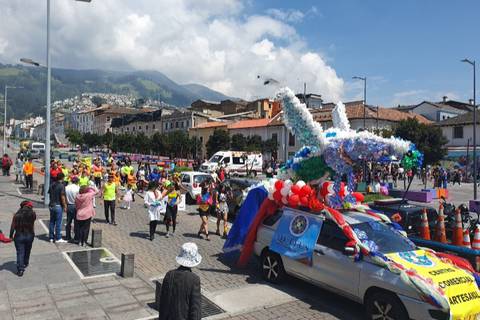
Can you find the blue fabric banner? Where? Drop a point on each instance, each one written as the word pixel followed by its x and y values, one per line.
pixel 296 235
pixel 246 214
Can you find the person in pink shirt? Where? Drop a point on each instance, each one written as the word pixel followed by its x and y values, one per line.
pixel 85 212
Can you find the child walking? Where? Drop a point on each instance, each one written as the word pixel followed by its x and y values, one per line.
pixel 127 198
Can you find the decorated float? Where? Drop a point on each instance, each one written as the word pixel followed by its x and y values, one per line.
pixel 320 180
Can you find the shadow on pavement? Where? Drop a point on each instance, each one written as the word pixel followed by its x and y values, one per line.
pixel 139 234
pixel 43 237
pixel 9 266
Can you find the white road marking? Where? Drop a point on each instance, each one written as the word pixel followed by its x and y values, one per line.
pixel 19 192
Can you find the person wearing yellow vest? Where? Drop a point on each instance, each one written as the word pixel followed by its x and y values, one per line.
pixel 28 169
pixel 97 173
pixel 84 179
pixel 109 192
pixel 66 173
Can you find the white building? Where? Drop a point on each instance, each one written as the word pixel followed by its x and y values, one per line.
pixel 438 111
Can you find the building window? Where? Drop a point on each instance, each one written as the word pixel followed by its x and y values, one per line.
pixel 133 128
pixel 146 127
pixel 108 118
pixel 176 124
pixel 291 140
pixel 139 127
pixel 128 129
pixel 275 137
pixel 181 124
pixel 153 126
pixel 457 132
pixel 201 139
pixel 188 123
pixel 171 125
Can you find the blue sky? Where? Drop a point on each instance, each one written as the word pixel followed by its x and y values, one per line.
pixel 409 50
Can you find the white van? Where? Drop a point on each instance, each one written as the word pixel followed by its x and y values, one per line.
pixel 236 163
pixel 38 146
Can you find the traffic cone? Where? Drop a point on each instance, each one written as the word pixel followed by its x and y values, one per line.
pixel 476 246
pixel 440 234
pixel 424 227
pixel 457 236
pixel 466 239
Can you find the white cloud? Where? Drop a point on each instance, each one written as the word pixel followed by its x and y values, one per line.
pixel 415 96
pixel 211 42
pixel 290 15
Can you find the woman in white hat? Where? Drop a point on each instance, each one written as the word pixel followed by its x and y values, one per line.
pixel 180 298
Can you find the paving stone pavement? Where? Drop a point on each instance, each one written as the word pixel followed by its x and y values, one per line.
pixel 51 289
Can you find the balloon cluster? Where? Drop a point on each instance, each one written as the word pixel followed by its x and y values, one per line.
pixel 412 159
pixel 294 195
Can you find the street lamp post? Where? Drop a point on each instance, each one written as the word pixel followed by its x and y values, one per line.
pixel 5 117
pixel 364 79
pixel 472 63
pixel 46 183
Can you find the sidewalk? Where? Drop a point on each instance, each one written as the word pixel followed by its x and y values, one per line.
pixel 51 288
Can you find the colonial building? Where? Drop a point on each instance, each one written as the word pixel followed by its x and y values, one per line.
pixel 225 106
pixel 147 123
pixel 438 111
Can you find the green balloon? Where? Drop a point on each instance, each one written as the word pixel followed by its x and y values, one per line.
pixel 312 169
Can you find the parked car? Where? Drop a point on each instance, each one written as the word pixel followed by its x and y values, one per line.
pixel 411 214
pixel 383 293
pixel 239 189
pixel 191 180
pixel 34 154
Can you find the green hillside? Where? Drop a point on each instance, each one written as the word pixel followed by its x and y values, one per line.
pixel 67 83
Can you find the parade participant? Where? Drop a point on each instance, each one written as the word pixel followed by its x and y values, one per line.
pixel 173 197
pixel 127 198
pixel 84 178
pixel 54 171
pixel 152 200
pixel 117 179
pixel 19 169
pixel 6 164
pixel 154 175
pixel 109 192
pixel 22 232
pixel 180 297
pixel 141 182
pixel 222 209
pixel 28 169
pixel 74 174
pixel 132 183
pixel 125 171
pixel 204 201
pixel 71 191
pixel 85 212
pixel 110 159
pixel 66 174
pixel 57 206
pixel 97 173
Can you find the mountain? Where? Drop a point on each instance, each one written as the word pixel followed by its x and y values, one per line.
pixel 205 92
pixel 67 83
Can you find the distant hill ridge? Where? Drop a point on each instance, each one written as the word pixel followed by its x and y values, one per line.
pixel 67 83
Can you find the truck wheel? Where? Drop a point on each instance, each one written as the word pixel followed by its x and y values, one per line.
pixel 385 305
pixel 272 267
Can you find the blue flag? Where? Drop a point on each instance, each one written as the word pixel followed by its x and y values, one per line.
pixel 296 235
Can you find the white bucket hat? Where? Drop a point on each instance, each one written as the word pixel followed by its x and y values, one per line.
pixel 189 256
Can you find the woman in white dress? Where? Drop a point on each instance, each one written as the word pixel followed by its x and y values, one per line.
pixel 153 199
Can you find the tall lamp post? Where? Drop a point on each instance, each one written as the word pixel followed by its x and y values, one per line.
pixel 364 79
pixel 46 183
pixel 472 63
pixel 5 117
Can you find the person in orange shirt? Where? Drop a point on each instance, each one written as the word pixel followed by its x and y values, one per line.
pixel 28 171
pixel 132 182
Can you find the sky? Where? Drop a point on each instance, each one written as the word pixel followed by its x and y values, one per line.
pixel 409 50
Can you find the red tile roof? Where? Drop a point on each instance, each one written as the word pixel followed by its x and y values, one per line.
pixel 254 123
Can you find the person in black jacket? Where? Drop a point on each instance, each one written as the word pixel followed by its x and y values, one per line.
pixel 22 232
pixel 180 298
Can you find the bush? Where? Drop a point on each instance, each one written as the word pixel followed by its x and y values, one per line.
pixel 182 169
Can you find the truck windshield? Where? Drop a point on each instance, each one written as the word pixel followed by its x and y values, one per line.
pixel 216 158
pixel 380 237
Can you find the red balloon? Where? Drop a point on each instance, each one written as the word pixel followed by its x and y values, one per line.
pixel 279 185
pixel 358 196
pixel 304 201
pixel 305 191
pixel 277 196
pixel 295 189
pixel 293 200
pixel 343 192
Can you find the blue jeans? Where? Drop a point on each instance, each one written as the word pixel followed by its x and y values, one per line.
pixel 23 245
pixel 71 218
pixel 55 227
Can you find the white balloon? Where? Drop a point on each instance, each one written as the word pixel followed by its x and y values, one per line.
pixel 284 200
pixel 301 183
pixel 285 190
pixel 288 183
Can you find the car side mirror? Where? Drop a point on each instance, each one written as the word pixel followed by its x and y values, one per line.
pixel 349 251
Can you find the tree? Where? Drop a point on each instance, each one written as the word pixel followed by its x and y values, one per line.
pixel 158 144
pixel 270 146
pixel 219 140
pixel 239 142
pixel 254 143
pixel 428 139
pixel 75 137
